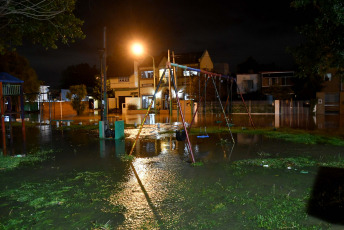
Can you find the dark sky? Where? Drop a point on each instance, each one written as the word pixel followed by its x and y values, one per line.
pixel 230 30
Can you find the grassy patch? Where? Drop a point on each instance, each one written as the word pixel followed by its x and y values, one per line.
pixel 34 157
pixel 79 200
pixel 241 204
pixel 292 162
pixel 293 135
pixel 197 164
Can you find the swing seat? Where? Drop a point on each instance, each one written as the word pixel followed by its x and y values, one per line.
pixel 230 124
pixel 218 122
pixel 203 136
pixel 180 135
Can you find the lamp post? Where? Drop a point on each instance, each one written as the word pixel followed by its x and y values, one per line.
pixel 138 50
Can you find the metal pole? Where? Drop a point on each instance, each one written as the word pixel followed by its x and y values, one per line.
pixel 224 113
pixel 104 70
pixel 101 87
pixel 183 120
pixel 3 121
pixel 176 82
pixel 154 83
pixel 144 119
pixel 169 84
pixel 22 111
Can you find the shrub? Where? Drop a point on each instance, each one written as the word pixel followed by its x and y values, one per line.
pixel 132 107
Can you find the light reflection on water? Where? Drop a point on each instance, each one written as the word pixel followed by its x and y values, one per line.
pixel 289 117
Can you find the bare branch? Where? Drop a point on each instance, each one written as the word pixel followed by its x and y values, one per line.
pixel 41 10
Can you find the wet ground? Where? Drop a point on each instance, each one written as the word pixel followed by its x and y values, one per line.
pixel 87 184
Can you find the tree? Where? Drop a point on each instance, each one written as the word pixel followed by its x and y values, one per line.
pixel 248 66
pixel 321 50
pixel 76 94
pixel 42 22
pixel 97 90
pixel 18 66
pixel 79 74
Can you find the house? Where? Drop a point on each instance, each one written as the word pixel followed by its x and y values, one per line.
pixel 278 83
pixel 248 83
pixel 198 60
pixel 139 81
pixel 124 81
pixel 331 97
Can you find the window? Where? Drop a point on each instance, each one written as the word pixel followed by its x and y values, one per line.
pixel 146 100
pixel 147 74
pixel 328 77
pixel 161 71
pixel 123 79
pixel 274 81
pixel 247 85
pixel 190 73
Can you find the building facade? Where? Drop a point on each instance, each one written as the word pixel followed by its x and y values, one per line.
pixel 147 74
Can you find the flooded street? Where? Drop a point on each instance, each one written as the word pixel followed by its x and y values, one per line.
pixel 88 183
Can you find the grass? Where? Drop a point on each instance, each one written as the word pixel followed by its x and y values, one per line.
pixel 235 203
pixel 291 162
pixel 293 135
pixel 78 200
pixel 32 158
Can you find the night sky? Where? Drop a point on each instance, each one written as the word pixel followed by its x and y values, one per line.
pixel 230 30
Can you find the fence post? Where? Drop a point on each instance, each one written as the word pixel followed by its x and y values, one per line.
pixel 277 107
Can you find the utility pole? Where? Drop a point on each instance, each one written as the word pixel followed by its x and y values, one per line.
pixel 104 86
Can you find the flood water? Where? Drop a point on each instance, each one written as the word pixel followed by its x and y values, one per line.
pixel 159 189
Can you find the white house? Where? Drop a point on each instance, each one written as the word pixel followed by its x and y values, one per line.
pixel 248 83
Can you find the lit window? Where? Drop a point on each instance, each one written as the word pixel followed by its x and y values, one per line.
pixel 328 77
pixel 123 79
pixel 147 74
pixel 189 73
pixel 161 71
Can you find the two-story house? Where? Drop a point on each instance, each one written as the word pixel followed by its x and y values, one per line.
pixel 124 82
pixel 272 83
pixel 139 81
pixel 200 60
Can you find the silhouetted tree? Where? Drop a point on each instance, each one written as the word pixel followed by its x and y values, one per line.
pixel 321 50
pixel 248 66
pixel 19 66
pixel 97 89
pixel 76 94
pixel 43 22
pixel 79 74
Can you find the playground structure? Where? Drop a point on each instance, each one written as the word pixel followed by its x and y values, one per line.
pixel 183 134
pixel 10 88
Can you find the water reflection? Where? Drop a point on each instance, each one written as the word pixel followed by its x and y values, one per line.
pixel 295 116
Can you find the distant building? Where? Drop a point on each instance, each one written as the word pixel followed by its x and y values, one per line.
pixel 43 93
pixel 248 83
pixel 282 79
pixel 331 97
pixel 140 82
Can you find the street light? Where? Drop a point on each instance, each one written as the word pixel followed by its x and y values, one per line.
pixel 138 51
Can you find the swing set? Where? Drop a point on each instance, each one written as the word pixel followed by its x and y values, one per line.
pixel 181 135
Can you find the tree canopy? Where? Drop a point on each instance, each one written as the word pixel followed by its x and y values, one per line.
pixel 322 47
pixel 79 74
pixel 44 22
pixel 76 94
pixel 97 89
pixel 18 66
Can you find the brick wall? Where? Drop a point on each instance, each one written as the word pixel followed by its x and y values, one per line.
pixel 56 107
